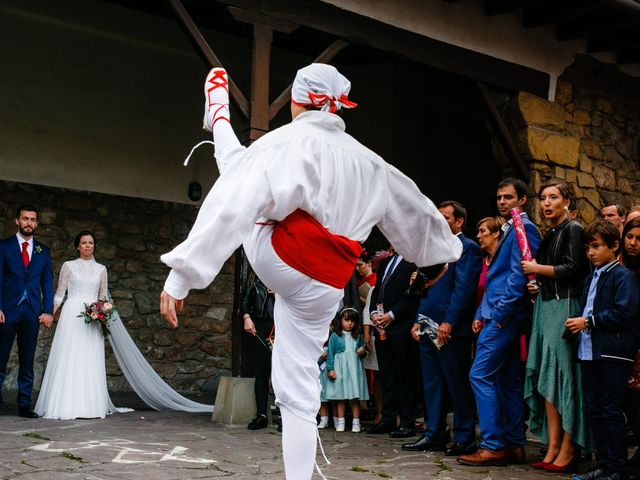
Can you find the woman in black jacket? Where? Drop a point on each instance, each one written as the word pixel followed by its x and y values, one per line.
pixel 257 313
pixel 552 382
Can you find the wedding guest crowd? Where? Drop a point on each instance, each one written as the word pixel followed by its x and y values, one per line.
pixel 539 343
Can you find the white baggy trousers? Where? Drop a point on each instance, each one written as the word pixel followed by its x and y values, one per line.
pixel 303 311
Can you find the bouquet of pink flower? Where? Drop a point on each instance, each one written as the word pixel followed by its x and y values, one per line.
pixel 101 312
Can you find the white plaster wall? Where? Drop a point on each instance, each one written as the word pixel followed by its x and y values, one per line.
pixel 97 97
pixel 463 24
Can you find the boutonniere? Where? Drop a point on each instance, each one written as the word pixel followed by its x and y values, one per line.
pixel 38 249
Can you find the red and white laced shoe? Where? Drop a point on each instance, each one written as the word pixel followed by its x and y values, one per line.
pixel 216 95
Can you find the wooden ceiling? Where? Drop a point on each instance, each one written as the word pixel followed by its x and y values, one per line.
pixel 606 25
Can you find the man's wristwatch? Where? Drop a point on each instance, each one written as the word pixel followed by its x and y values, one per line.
pixel 587 323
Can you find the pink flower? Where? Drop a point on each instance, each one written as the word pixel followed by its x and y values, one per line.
pixel 108 306
pixel 94 315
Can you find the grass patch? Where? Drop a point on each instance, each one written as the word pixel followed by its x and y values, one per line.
pixel 71 456
pixel 442 467
pixel 356 468
pixel 384 475
pixel 35 435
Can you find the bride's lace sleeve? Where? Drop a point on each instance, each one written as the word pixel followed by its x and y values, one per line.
pixel 63 283
pixel 103 292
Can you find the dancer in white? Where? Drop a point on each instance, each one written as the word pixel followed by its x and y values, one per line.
pixel 300 199
pixel 75 381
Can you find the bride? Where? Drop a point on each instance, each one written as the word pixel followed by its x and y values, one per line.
pixel 75 381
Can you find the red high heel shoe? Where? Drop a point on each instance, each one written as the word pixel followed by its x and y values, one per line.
pixel 541 465
pixel 570 467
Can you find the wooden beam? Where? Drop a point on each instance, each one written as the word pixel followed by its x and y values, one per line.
pixel 503 134
pixel 260 59
pixel 192 31
pixel 255 18
pixel 365 31
pixel 325 57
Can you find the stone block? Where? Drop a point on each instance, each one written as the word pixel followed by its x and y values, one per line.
pixel 539 112
pixel 586 211
pixel 559 172
pixel 624 185
pixel 564 92
pixel 548 146
pixel 604 105
pixel 581 117
pixel 586 165
pixel 235 401
pixel 604 177
pixel 593 197
pixel 577 131
pixel 571 175
pixel 592 149
pixel 586 180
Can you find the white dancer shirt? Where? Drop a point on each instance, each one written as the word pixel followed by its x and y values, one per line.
pixel 313 165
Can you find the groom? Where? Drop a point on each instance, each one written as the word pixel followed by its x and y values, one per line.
pixel 26 300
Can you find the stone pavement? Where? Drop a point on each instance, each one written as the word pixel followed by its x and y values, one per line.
pixel 169 445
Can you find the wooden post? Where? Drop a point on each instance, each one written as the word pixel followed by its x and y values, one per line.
pixel 260 60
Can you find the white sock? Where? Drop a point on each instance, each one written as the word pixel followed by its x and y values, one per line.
pixel 299 445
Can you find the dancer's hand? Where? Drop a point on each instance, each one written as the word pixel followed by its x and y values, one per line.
pixel 332 375
pixel 169 307
pixel 1 316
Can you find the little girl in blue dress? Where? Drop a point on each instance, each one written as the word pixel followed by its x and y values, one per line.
pixel 347 380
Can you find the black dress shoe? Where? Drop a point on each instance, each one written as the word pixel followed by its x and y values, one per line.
pixel 257 423
pixel 27 413
pixel 425 444
pixel 458 449
pixel 378 428
pixel 403 432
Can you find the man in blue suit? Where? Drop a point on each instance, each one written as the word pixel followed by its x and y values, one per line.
pixel 450 303
pixel 501 318
pixel 26 300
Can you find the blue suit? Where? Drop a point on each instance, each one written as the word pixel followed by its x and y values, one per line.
pixel 495 375
pixel 25 293
pixel 451 300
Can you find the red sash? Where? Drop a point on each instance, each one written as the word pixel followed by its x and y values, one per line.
pixel 306 246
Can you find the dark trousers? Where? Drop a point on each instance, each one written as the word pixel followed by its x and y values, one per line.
pixel 447 370
pixel 261 358
pixel 632 412
pixel 397 361
pixel 23 323
pixel 604 384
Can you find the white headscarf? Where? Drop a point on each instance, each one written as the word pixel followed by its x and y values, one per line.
pixel 321 86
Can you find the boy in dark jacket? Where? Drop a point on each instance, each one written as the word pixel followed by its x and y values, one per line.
pixel 606 348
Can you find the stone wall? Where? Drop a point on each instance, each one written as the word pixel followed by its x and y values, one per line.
pixel 131 235
pixel 590 135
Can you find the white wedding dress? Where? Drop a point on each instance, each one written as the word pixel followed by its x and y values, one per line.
pixel 75 381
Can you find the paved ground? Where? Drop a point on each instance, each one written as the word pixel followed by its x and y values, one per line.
pixel 168 445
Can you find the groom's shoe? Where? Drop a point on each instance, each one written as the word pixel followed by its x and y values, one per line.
pixel 216 94
pixel 27 413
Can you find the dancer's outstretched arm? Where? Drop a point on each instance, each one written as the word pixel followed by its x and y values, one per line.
pixel 413 224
